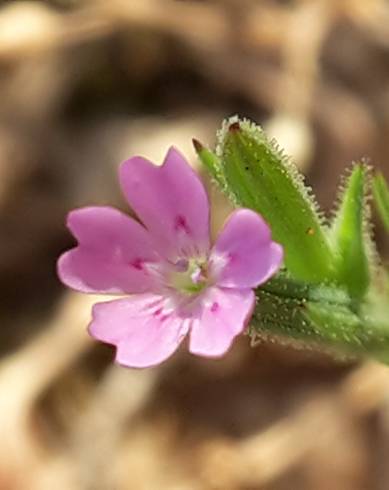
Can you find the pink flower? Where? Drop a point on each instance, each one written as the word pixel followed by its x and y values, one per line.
pixel 176 283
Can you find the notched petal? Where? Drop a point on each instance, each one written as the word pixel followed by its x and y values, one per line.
pixel 112 254
pixel 244 255
pixel 170 200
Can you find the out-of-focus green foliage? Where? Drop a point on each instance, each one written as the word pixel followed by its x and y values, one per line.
pixel 381 198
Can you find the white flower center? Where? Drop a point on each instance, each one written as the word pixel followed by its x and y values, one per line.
pixel 189 276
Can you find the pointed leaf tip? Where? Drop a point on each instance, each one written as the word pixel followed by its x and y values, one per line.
pixel 234 127
pixel 197 145
pixel 350 233
pixel 211 162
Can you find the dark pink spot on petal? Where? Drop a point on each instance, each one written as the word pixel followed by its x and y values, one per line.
pixel 180 224
pixel 214 307
pixel 157 312
pixel 137 264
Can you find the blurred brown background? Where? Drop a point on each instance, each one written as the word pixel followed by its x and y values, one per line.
pixel 85 84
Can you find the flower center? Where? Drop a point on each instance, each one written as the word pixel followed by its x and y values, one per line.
pixel 189 275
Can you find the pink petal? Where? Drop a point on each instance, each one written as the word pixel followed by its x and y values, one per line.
pixel 225 314
pixel 144 334
pixel 244 255
pixel 113 256
pixel 171 202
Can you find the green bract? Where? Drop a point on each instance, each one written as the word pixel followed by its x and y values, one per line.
pixel 350 234
pixel 260 177
pixel 332 292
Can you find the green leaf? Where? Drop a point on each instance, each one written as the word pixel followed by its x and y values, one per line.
pixel 350 234
pixel 260 177
pixel 365 333
pixel 310 324
pixel 381 198
pixel 321 317
pixel 284 306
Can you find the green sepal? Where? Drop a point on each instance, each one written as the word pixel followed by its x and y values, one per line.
pixel 350 234
pixel 365 333
pixel 260 177
pixel 381 198
pixel 211 163
pixel 308 324
pixel 321 317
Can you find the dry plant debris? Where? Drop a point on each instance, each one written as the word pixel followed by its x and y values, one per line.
pixel 85 84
